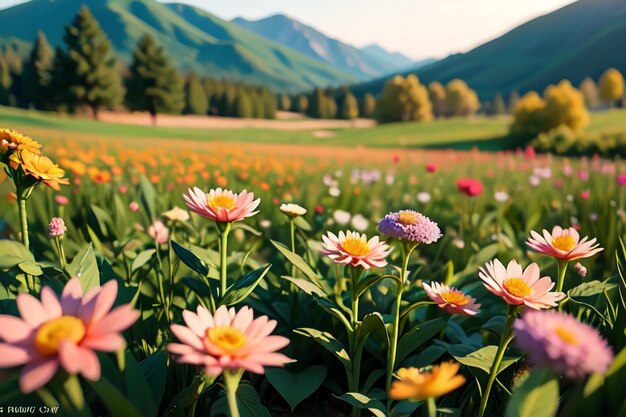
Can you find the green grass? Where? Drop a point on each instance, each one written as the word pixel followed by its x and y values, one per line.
pixel 485 133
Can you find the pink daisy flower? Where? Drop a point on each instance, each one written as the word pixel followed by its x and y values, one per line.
pixel 558 340
pixel 57 227
pixel 450 299
pixel 228 340
pixel 519 287
pixel 222 205
pixel 352 248
pixel 63 332
pixel 563 244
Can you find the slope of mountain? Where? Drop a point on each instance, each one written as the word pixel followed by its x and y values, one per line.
pixel 194 39
pixel 395 58
pixel 311 42
pixel 579 40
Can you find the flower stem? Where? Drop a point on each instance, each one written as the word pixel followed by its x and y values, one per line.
pixel 224 258
pixel 292 230
pixel 407 251
pixel 432 407
pixel 507 336
pixel 21 201
pixel 562 269
pixel 231 382
pixel 61 251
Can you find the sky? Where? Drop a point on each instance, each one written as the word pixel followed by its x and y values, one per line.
pixel 417 28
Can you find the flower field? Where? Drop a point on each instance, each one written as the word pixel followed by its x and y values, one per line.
pixel 306 280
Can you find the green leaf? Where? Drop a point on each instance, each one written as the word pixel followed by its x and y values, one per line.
pixel 417 336
pixel 302 224
pixel 329 343
pixel 589 289
pixel 137 387
pixel 30 268
pixel 142 258
pixel 197 286
pixel 538 396
pixel 85 267
pixel 244 286
pixel 14 253
pixel 298 262
pixel 154 368
pixel 248 403
pixel 147 194
pixel 373 322
pixel 306 286
pixel 359 400
pixel 332 308
pixel 190 259
pixel 295 387
pixel 364 284
pixel 117 404
pixel 185 399
pixel 483 358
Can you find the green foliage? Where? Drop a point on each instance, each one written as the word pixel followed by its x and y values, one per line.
pixel 87 67
pixel 295 386
pixel 349 107
pixel 538 396
pixel 367 106
pixel 38 73
pixel 196 101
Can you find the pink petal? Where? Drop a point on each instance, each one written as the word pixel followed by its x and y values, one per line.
pixel 31 310
pixel 188 337
pixel 119 319
pixel 194 323
pixel 97 309
pixel 69 357
pixel 50 302
pixel 71 297
pixel 89 364
pixel 13 328
pixel 37 374
pixel 110 342
pixel 11 355
pixel 243 319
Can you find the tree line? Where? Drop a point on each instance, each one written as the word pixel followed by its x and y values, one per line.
pixel 85 74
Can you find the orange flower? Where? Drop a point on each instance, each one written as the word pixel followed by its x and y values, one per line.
pixel 40 167
pixel 99 176
pixel 415 385
pixel 10 139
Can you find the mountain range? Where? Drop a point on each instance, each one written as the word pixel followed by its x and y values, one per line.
pixel 579 40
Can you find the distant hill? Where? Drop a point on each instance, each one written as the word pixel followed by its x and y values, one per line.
pixel 396 58
pixel 364 63
pixel 194 39
pixel 579 40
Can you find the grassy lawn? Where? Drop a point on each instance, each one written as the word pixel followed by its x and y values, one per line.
pixel 486 133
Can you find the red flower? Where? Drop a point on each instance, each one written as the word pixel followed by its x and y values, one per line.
pixel 431 168
pixel 470 187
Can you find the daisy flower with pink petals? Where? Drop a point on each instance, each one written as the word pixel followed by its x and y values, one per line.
pixel 64 332
pixel 450 299
pixel 352 248
pixel 520 287
pixel 559 341
pixel 563 244
pixel 228 341
pixel 223 206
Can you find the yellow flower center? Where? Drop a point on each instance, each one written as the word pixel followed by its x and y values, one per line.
pixel 50 335
pixel 229 339
pixel 517 287
pixel 566 335
pixel 566 243
pixel 222 201
pixel 355 246
pixel 455 297
pixel 408 217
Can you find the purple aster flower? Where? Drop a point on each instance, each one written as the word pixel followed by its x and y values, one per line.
pixel 561 342
pixel 410 225
pixel 56 228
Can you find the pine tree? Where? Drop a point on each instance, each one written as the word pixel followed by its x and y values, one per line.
pixel 37 75
pixel 92 73
pixel 258 107
pixel 437 96
pixel 196 101
pixel 16 68
pixel 317 108
pixel 270 104
pixel 330 107
pixel 302 104
pixel 513 100
pixel 243 105
pixel 367 106
pixel 5 82
pixel 590 92
pixel 349 107
pixel 285 102
pixel 153 85
pixel 498 107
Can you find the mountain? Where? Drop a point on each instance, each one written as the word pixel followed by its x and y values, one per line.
pixel 579 40
pixel 395 58
pixel 194 39
pixel 361 63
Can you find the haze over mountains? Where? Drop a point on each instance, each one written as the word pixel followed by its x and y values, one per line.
pixel 582 39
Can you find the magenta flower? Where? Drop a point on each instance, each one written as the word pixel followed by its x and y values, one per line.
pixel 61 200
pixel 410 225
pixel 352 248
pixel 563 244
pixel 57 227
pixel 222 205
pixel 63 332
pixel 451 300
pixel 559 341
pixel 519 287
pixel 228 340
pixel 133 206
pixel 470 187
pixel 159 232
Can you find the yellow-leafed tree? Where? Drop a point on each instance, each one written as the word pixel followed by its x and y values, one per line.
pixel 528 116
pixel 611 86
pixel 460 99
pixel 437 95
pixel 565 105
pixel 403 99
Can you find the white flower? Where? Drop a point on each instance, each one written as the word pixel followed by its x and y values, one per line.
pixel 334 191
pixel 359 222
pixel 501 196
pixel 177 214
pixel 459 243
pixel 265 224
pixel 293 210
pixel 327 180
pixel 534 180
pixel 342 217
pixel 593 217
pixel 423 197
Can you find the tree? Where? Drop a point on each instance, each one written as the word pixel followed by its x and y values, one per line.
pixel 349 107
pixel 513 100
pixel 403 99
pixel 460 99
pixel 437 96
pixel 37 74
pixel 528 117
pixel 285 102
pixel 258 107
pixel 611 86
pixel 498 107
pixel 330 106
pixel 153 85
pixel 302 103
pixel 16 68
pixel 317 105
pixel 92 74
pixel 243 105
pixel 196 101
pixel 565 105
pixel 367 105
pixel 590 92
pixel 5 82
pixel 269 101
